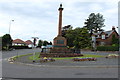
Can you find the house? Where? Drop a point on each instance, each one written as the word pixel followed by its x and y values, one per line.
pixel 29 43
pixel 104 37
pixel 18 42
pixel 22 43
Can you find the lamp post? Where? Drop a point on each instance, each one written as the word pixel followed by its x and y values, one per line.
pixel 9 33
pixel 34 45
pixel 10 25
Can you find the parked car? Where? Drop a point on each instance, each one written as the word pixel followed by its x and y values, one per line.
pixel 112 56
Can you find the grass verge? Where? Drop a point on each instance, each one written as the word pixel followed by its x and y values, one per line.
pixel 15 57
pixel 34 57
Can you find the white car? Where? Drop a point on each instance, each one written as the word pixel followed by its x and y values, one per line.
pixel 112 56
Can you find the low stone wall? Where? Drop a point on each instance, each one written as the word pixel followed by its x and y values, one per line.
pixel 60 50
pixel 60 55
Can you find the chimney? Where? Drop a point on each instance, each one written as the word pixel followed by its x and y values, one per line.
pixel 113 27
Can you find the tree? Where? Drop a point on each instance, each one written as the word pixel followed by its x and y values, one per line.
pixel 65 29
pixel 70 35
pixel 94 22
pixel 45 43
pixel 40 42
pixel 78 38
pixel 82 39
pixel 6 41
pixel 50 43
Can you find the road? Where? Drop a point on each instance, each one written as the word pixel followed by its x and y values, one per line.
pixel 26 71
pixel 7 54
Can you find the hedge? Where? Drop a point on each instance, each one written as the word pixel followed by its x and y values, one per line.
pixel 108 48
pixel 19 47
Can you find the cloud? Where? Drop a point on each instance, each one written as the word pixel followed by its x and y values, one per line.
pixel 59 1
pixel 95 7
pixel 41 16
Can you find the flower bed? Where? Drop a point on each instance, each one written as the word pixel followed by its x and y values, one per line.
pixel 85 59
pixel 60 55
pixel 46 60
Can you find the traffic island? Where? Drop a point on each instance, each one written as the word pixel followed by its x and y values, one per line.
pixel 65 61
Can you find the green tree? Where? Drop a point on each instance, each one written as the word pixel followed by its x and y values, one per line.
pixel 50 43
pixel 40 42
pixel 70 36
pixel 82 39
pixel 65 29
pixel 79 38
pixel 6 41
pixel 94 22
pixel 45 43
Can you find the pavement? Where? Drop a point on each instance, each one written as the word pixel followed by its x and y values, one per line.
pixel 102 68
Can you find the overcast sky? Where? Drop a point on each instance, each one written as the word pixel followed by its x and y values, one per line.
pixel 40 17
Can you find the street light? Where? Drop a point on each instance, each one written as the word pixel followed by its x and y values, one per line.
pixel 34 43
pixel 10 25
pixel 9 32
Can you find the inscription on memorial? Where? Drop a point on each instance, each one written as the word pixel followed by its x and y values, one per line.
pixel 60 41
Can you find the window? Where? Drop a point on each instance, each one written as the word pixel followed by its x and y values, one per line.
pixel 103 36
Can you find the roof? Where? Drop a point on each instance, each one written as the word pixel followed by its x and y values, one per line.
pixel 28 42
pixel 108 33
pixel 18 41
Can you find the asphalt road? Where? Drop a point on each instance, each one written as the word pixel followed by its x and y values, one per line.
pixel 28 71
pixel 7 54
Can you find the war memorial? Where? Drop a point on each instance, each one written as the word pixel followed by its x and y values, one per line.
pixel 59 48
pixel 60 43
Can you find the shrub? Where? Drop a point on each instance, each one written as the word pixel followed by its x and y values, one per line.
pixel 19 47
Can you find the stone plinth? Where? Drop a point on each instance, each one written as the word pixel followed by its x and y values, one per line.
pixel 59 42
pixel 59 45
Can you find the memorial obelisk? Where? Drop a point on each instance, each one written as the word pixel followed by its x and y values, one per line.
pixel 59 42
pixel 60 20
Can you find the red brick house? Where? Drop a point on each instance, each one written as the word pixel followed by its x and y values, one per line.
pixel 29 43
pixel 104 37
pixel 21 42
pixel 18 42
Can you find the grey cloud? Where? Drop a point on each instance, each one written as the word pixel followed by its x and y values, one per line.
pixel 25 10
